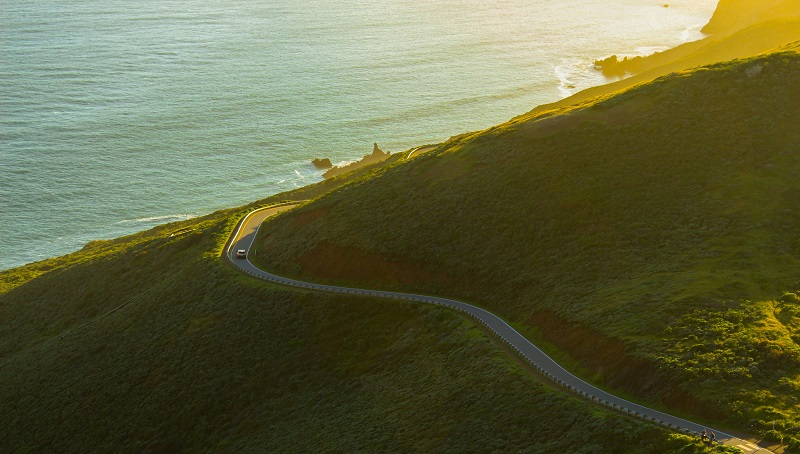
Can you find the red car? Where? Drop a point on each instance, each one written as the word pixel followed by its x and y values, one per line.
pixel 241 254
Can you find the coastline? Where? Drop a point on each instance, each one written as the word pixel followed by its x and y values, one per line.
pixel 293 174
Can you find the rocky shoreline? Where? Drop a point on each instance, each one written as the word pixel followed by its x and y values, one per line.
pixel 376 156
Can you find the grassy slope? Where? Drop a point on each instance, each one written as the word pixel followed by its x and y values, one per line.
pixel 150 343
pixel 733 15
pixel 757 26
pixel 740 35
pixel 752 40
pixel 650 234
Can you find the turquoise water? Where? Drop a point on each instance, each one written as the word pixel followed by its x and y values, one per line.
pixel 117 116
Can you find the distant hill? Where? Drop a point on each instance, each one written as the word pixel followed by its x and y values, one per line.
pixel 738 29
pixel 752 40
pixel 734 15
pixel 653 235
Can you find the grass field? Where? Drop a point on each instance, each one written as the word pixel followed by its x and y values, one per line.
pixel 656 231
pixel 151 343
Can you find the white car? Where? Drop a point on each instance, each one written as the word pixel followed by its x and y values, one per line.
pixel 241 254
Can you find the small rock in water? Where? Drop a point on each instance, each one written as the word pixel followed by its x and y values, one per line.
pixel 322 163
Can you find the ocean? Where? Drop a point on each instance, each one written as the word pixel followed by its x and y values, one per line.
pixel 118 116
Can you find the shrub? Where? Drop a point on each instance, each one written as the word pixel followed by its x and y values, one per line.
pixel 773 435
pixel 790 297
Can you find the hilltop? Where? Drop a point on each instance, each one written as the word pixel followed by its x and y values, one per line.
pixel 733 15
pixel 650 237
pixel 738 29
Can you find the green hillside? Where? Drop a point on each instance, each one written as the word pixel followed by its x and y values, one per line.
pixel 651 238
pixel 648 239
pixel 151 343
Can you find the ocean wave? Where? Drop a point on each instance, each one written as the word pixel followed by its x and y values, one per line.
pixel 345 163
pixel 566 87
pixel 575 74
pixel 692 33
pixel 165 218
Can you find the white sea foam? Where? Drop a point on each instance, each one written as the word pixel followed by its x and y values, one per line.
pixel 566 87
pixel 576 74
pixel 692 33
pixel 345 163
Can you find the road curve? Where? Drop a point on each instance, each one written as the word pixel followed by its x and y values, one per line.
pixel 244 236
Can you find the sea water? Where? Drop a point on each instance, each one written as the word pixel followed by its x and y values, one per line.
pixel 116 116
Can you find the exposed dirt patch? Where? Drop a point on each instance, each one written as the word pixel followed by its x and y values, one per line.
pixel 307 217
pixel 609 356
pixel 332 262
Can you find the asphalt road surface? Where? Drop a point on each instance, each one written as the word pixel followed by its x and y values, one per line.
pixel 244 236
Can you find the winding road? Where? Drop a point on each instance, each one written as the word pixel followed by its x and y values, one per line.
pixel 244 236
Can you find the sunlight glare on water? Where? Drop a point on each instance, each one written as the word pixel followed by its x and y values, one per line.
pixel 118 116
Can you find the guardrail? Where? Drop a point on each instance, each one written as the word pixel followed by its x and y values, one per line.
pixel 555 372
pixel 238 229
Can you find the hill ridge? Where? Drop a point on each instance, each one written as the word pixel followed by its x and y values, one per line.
pixel 628 202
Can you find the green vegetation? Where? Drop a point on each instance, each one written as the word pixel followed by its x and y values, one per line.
pixel 152 343
pixel 648 238
pixel 653 235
